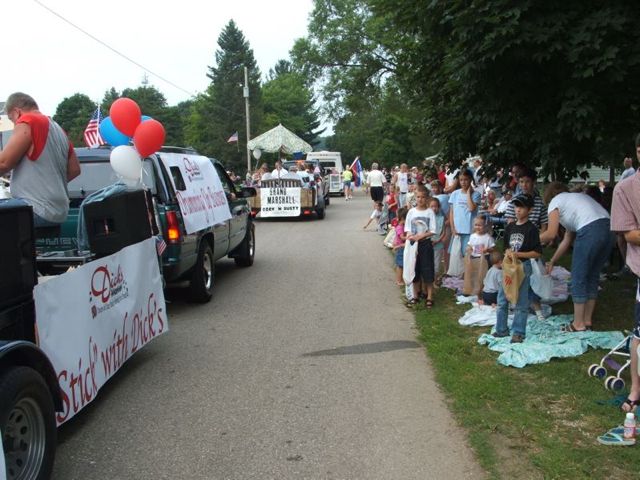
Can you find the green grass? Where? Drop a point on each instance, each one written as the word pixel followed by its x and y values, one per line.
pixel 540 421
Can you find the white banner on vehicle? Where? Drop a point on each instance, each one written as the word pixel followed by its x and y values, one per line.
pixel 202 199
pixel 279 202
pixel 92 319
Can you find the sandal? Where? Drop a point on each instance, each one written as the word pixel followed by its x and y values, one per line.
pixel 632 405
pixel 614 438
pixel 570 328
pixel 412 303
pixel 428 303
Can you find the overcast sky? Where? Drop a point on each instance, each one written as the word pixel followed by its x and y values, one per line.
pixel 50 60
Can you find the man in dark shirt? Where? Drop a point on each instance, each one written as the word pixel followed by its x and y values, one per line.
pixel 522 241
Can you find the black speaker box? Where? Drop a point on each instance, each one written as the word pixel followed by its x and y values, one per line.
pixel 118 221
pixel 17 255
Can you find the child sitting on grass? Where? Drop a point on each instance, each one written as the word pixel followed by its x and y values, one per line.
pixel 523 241
pixel 398 244
pixel 492 280
pixel 420 226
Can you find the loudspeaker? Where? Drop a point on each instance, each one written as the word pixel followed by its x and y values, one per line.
pixel 118 221
pixel 17 255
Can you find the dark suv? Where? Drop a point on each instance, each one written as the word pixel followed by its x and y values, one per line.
pixel 188 257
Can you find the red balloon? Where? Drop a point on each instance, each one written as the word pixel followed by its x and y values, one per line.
pixel 148 137
pixel 125 115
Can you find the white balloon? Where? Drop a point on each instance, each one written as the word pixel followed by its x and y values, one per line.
pixel 126 162
pixel 257 153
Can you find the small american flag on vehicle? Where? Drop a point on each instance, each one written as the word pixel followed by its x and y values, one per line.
pixel 92 137
pixel 161 245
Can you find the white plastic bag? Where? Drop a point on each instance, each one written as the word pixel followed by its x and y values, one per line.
pixel 456 262
pixel 390 239
pixel 541 283
pixel 409 261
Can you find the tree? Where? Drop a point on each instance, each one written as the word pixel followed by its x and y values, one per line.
pixel 288 100
pixel 219 112
pixel 109 97
pixel 552 84
pixel 73 115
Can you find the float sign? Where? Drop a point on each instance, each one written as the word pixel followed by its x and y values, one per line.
pixel 202 199
pixel 279 202
pixel 94 318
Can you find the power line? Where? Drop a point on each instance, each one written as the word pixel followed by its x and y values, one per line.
pixel 93 37
pixel 191 94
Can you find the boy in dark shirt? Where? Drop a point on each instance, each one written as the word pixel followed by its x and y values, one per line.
pixel 522 241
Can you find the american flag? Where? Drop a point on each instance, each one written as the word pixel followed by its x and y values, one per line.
pixel 92 137
pixel 233 138
pixel 161 245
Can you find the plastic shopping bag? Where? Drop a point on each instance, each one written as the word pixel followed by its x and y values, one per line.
pixel 390 238
pixel 541 283
pixel 512 277
pixel 409 261
pixel 456 264
pixel 474 271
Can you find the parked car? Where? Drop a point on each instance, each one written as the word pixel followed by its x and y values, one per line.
pixel 188 257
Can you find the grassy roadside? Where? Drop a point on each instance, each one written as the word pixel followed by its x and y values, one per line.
pixel 541 421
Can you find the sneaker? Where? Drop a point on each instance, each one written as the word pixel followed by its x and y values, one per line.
pixel 540 316
pixel 501 334
pixel 516 338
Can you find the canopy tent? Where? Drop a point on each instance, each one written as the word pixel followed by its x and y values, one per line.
pixel 279 139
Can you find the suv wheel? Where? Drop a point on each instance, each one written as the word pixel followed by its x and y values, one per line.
pixel 27 423
pixel 203 275
pixel 247 249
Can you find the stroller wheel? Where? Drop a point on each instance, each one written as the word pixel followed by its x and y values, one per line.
pixel 614 383
pixel 597 371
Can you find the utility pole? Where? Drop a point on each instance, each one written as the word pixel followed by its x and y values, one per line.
pixel 245 91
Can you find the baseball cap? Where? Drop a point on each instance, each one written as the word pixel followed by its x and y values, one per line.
pixel 523 200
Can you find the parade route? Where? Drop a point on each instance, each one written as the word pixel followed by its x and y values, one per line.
pixel 303 366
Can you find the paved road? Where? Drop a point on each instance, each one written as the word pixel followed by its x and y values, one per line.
pixel 304 366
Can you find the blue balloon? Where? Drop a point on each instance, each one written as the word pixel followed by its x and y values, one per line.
pixel 111 134
pixel 145 117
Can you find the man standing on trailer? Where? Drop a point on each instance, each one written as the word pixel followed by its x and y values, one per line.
pixel 42 161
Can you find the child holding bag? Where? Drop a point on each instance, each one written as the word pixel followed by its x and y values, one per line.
pixel 522 240
pixel 480 245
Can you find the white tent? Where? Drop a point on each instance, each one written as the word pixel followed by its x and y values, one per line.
pixel 279 139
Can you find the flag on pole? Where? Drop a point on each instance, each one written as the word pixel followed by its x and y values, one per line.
pixel 233 138
pixel 356 168
pixel 92 137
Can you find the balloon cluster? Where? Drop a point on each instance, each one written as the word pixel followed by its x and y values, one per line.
pixel 125 124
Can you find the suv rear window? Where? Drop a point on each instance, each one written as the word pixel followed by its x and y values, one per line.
pixel 96 175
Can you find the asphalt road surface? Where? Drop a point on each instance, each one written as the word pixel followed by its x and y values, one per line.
pixel 304 366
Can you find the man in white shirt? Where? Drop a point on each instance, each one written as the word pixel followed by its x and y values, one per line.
pixel 376 183
pixel 279 171
pixel 628 168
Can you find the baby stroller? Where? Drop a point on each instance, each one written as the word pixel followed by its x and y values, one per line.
pixel 598 370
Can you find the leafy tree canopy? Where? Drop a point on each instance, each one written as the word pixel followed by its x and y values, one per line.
pixel 73 114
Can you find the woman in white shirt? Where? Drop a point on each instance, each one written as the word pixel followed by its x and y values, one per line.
pixel 587 226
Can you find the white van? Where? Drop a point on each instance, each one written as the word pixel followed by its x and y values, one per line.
pixel 331 163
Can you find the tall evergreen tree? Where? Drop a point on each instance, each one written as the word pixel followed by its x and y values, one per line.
pixel 219 112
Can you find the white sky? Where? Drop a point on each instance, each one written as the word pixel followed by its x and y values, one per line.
pixel 49 59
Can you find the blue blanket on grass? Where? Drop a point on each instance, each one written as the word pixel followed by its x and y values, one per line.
pixel 545 341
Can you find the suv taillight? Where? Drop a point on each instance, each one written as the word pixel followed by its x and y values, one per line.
pixel 173 227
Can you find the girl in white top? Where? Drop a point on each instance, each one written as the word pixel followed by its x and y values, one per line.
pixel 587 226
pixel 480 242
